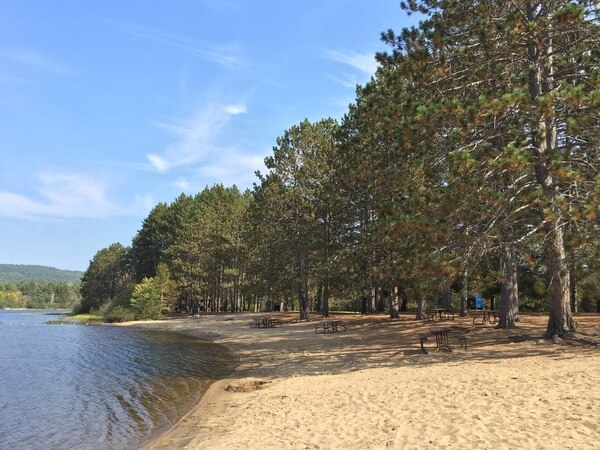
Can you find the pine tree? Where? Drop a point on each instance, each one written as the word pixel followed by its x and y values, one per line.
pixel 512 98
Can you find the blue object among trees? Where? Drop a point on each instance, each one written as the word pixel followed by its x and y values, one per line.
pixel 476 302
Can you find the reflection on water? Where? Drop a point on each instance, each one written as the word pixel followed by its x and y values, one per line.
pixel 90 387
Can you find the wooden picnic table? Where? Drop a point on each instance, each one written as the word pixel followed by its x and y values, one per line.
pixel 266 322
pixel 330 326
pixel 487 315
pixel 440 314
pixel 442 340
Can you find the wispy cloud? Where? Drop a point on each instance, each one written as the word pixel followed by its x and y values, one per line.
pixel 234 167
pixel 365 62
pixel 185 184
pixel 227 55
pixel 230 167
pixel 234 110
pixel 32 59
pixel 60 196
pixel 195 137
pixel 347 80
pixel 144 202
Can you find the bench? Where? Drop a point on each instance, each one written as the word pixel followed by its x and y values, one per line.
pixel 442 340
pixel 330 326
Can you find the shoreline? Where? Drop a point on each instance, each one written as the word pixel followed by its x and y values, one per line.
pixel 293 387
pixel 177 325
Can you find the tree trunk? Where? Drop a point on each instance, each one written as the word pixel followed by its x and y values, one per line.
pixel 325 300
pixel 509 296
pixel 381 299
pixel 325 297
pixel 420 307
pixel 303 298
pixel 447 299
pixel 301 284
pixel 394 313
pixel 464 293
pixel 404 303
pixel 363 304
pixel 373 301
pixel 544 142
pixel 319 298
pixel 573 285
pixel 560 322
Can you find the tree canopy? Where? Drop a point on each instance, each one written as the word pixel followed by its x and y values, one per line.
pixel 469 162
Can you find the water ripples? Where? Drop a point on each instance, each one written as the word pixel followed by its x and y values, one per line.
pixel 97 387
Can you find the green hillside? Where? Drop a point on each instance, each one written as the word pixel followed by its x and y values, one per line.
pixel 21 272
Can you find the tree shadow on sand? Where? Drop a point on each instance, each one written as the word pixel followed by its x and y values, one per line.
pixel 385 343
pixel 378 342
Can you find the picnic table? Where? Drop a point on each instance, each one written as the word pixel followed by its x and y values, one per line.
pixel 330 326
pixel 440 314
pixel 485 315
pixel 442 340
pixel 265 322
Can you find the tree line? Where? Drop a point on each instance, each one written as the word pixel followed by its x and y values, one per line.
pixel 39 294
pixel 22 272
pixel 468 163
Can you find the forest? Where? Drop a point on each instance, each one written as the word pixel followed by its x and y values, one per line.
pixel 38 287
pixel 467 165
pixel 39 295
pixel 23 272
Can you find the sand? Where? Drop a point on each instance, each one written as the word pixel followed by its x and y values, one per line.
pixel 370 387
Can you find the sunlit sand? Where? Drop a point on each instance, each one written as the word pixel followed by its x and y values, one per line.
pixel 371 387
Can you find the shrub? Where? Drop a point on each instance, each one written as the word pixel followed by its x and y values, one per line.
pixel 146 301
pixel 529 304
pixel 588 305
pixel 118 313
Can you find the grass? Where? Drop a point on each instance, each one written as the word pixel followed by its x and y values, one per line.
pixel 78 319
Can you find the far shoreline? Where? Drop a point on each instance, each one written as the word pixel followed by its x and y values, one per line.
pixel 35 309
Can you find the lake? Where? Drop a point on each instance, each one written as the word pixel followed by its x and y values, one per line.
pixel 96 387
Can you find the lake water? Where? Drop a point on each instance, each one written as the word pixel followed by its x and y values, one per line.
pixel 96 387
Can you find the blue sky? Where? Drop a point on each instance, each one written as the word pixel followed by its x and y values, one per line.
pixel 107 108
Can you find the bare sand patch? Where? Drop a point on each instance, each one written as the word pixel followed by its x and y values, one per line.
pixel 371 387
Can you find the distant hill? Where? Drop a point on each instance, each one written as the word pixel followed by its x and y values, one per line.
pixel 19 272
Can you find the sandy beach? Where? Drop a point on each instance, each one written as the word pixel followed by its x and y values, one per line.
pixel 371 387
